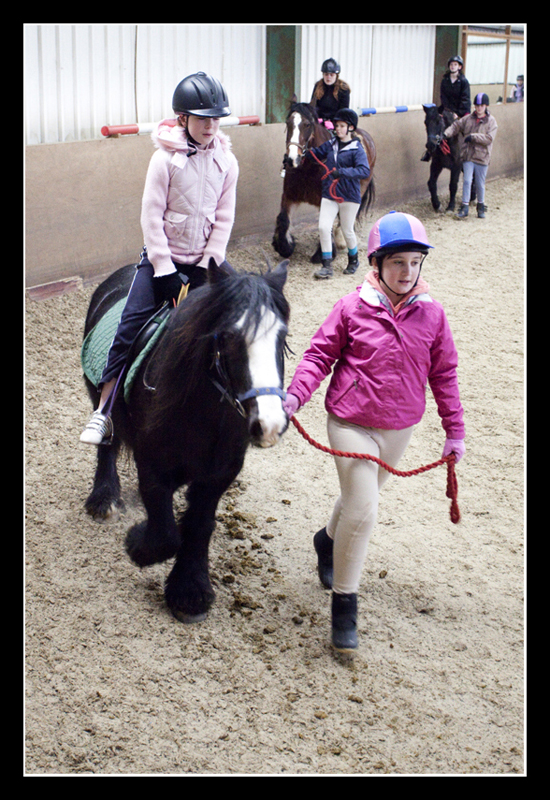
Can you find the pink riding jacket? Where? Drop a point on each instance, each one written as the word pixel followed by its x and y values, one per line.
pixel 188 205
pixel 383 359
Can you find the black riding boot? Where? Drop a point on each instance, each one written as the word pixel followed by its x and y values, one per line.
pixel 344 621
pixel 326 270
pixel 323 545
pixel 353 263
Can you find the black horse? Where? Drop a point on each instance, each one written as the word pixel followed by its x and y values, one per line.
pixel 303 176
pixel 211 386
pixel 444 153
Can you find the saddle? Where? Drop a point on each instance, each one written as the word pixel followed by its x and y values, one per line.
pixel 96 345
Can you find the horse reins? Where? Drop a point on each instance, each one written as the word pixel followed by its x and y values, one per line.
pixel 306 151
pixel 332 188
pixel 452 484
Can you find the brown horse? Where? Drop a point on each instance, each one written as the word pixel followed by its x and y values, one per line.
pixel 303 176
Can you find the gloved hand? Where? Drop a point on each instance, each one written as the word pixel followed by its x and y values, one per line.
pixel 455 446
pixel 291 404
pixel 168 287
pixel 468 138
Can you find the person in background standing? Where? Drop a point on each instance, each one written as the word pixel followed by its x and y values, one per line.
pixel 479 130
pixel 518 92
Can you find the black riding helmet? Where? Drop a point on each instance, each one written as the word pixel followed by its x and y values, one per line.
pixel 330 65
pixel 347 115
pixel 202 96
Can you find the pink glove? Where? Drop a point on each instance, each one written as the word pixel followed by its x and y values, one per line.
pixel 455 446
pixel 291 404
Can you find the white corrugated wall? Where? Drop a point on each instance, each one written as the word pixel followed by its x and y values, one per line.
pixel 80 77
pixel 486 59
pixel 385 65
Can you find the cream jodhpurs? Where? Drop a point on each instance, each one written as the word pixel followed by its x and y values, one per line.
pixel 355 511
pixel 327 214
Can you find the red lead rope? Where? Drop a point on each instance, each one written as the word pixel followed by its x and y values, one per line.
pixel 452 484
pixel 332 189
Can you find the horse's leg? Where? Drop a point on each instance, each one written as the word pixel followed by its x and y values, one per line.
pixel 105 495
pixel 283 241
pixel 435 171
pixel 453 185
pixel 188 591
pixel 155 539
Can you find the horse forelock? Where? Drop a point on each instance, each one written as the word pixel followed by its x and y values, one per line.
pixel 217 308
pixel 304 109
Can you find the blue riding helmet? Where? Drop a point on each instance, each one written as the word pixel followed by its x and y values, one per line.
pixel 397 231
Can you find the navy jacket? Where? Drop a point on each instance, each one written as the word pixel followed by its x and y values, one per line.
pixel 351 162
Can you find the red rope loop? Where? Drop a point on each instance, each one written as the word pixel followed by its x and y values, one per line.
pixel 332 188
pixel 452 483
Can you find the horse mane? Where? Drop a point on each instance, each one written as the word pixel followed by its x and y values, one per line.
pixel 186 349
pixel 305 109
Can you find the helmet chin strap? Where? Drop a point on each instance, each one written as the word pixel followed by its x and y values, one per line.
pixel 401 294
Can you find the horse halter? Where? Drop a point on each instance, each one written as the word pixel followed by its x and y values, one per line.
pixel 237 400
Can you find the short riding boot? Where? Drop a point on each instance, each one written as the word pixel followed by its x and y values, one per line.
pixel 353 264
pixel 463 211
pixel 326 269
pixel 481 209
pixel 99 430
pixel 323 545
pixel 344 621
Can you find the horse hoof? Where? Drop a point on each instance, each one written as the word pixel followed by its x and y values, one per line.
pixel 103 508
pixel 144 553
pixel 189 619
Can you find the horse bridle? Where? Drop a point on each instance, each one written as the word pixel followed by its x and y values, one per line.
pixel 441 141
pixel 303 147
pixel 237 400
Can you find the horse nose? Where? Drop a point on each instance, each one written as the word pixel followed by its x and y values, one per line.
pixel 268 423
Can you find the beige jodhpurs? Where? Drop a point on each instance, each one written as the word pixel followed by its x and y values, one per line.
pixel 355 511
pixel 347 212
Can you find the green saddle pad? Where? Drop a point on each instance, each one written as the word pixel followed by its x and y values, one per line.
pixel 96 345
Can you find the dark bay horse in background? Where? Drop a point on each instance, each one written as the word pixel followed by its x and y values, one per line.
pixel 303 176
pixel 211 386
pixel 444 153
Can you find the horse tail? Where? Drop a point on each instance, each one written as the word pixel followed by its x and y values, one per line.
pixel 367 199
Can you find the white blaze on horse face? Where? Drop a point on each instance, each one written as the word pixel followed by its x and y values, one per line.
pixel 262 364
pixel 294 142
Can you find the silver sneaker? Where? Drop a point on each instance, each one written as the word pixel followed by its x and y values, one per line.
pixel 99 430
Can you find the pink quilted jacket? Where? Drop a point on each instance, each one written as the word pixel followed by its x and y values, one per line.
pixel 383 360
pixel 188 205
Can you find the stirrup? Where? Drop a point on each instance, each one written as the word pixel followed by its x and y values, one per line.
pixel 99 430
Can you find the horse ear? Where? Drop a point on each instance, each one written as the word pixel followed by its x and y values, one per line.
pixel 216 273
pixel 294 99
pixel 278 276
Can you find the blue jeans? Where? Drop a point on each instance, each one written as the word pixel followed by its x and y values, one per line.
pixel 469 170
